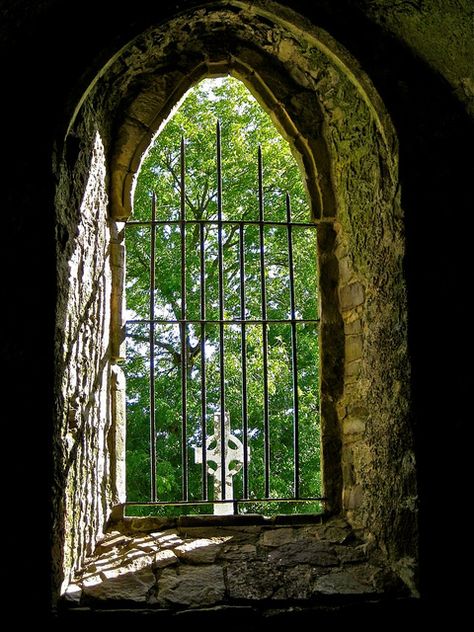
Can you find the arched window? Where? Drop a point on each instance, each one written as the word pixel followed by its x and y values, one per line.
pixel 222 317
pixel 341 135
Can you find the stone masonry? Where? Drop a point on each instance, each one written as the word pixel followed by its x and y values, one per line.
pixel 341 134
pixel 189 567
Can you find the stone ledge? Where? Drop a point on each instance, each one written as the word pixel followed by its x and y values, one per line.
pixel 132 525
pixel 185 568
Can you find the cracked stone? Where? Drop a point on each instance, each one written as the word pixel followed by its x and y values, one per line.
pixel 334 531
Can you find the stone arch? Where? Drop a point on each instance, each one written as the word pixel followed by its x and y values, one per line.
pixel 326 108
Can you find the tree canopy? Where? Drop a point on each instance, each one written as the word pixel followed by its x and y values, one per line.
pixel 244 126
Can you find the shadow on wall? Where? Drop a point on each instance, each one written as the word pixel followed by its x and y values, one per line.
pixel 196 568
pixel 82 459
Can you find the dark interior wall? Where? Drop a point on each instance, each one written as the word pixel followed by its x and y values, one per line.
pixel 51 50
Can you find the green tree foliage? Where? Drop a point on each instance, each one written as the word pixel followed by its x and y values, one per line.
pixel 244 126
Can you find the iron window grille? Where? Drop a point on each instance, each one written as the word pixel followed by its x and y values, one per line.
pixel 183 224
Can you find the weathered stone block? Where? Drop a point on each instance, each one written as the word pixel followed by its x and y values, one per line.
pixel 277 537
pixel 167 539
pixel 351 295
pixel 112 539
pixel 353 425
pixel 352 371
pixel 201 551
pixel 353 327
pixel 133 586
pixel 353 348
pixel 73 594
pixel 131 563
pixel 242 552
pixel 304 552
pixel 165 558
pixel 254 580
pixel 296 583
pixel 346 270
pixel 337 531
pixel 353 497
pixel 342 583
pixel 191 586
pixel 351 554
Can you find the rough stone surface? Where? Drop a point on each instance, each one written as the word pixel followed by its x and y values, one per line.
pixel 133 586
pixel 277 537
pixel 342 583
pixel 352 295
pixel 239 552
pixel 304 552
pixel 201 551
pixel 345 142
pixel 296 583
pixel 407 48
pixel 165 558
pixel 354 195
pixel 191 586
pixel 252 580
pixel 254 565
pixel 83 327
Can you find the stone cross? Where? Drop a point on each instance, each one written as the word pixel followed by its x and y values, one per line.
pixel 234 460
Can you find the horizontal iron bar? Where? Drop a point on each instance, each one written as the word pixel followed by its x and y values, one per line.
pixel 245 222
pixel 235 321
pixel 238 501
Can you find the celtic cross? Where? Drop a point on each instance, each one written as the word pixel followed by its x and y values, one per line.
pixel 234 460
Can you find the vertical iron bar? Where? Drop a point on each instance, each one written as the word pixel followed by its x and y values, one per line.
pixel 266 423
pixel 152 352
pixel 243 353
pixel 294 356
pixel 203 359
pixel 183 329
pixel 221 306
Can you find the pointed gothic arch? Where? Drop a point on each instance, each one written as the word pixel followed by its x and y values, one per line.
pixel 326 108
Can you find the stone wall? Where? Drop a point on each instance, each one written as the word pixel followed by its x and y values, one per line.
pixel 418 55
pixel 258 566
pixel 343 138
pixel 84 468
pixel 338 129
